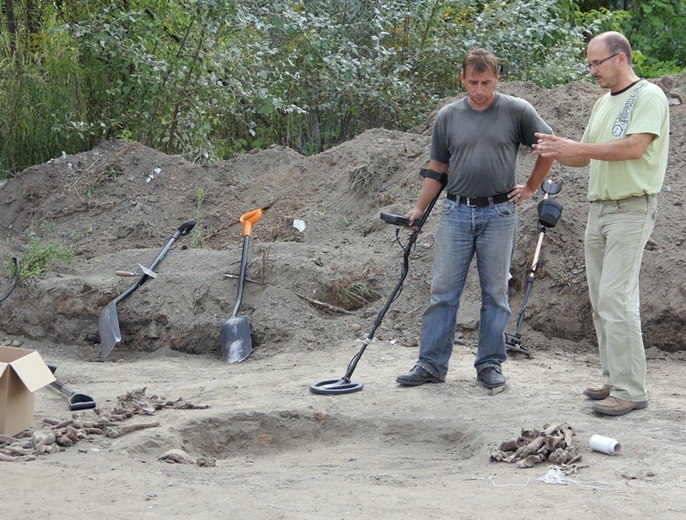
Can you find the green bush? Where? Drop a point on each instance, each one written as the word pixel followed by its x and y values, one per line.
pixel 210 78
pixel 42 255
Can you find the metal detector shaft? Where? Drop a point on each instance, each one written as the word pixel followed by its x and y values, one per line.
pixel 345 385
pixel 530 280
pixel 514 342
pixel 387 305
pixel 394 293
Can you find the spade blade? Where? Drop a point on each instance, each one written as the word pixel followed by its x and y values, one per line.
pixel 108 328
pixel 236 341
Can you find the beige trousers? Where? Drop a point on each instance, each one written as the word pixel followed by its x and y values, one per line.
pixel 616 233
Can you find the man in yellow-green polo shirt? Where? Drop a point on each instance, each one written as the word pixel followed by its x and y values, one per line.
pixel 626 144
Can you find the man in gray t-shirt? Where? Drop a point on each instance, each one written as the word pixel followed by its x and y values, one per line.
pixel 474 154
pixel 480 146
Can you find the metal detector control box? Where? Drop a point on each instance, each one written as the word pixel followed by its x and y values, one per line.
pixel 549 212
pixel 398 220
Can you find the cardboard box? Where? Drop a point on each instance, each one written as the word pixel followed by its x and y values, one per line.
pixel 22 372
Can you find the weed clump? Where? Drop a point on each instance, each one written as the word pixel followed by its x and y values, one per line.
pixel 41 256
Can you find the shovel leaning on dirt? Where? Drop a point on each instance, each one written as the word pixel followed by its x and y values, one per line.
pixel 235 332
pixel 108 323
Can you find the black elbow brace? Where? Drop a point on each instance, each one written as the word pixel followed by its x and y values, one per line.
pixel 432 174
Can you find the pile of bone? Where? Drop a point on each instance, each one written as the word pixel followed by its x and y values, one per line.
pixel 554 444
pixel 57 435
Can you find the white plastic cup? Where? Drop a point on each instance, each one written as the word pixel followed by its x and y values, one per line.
pixel 605 445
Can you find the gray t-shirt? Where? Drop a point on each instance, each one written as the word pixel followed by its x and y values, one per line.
pixel 481 147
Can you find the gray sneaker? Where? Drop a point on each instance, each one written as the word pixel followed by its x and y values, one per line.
pixel 417 376
pixel 491 377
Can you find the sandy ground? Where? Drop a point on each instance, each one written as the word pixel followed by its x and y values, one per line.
pixel 384 452
pixel 269 447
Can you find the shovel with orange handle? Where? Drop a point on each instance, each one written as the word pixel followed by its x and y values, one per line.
pixel 235 332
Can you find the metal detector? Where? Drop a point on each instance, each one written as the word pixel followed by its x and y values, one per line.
pixel 346 385
pixel 549 212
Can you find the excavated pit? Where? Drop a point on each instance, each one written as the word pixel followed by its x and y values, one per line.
pixel 228 436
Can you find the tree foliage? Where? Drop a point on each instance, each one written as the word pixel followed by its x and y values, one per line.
pixel 655 29
pixel 207 78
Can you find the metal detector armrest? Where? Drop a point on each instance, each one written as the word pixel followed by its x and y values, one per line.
pixel 550 187
pixel 433 174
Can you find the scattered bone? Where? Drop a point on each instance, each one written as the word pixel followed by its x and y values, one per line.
pixel 530 461
pixel 6 458
pixel 64 441
pixel 508 446
pixel 57 435
pixel 22 444
pixel 42 438
pixel 176 456
pixel 16 450
pixel 206 462
pixel 184 405
pixel 555 444
pixel 113 432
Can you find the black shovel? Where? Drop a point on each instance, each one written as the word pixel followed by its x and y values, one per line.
pixel 235 332
pixel 77 401
pixel 108 324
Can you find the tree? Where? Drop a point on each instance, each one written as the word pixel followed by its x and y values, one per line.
pixel 207 78
pixel 655 29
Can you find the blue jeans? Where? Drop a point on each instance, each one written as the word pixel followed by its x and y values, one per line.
pixel 463 231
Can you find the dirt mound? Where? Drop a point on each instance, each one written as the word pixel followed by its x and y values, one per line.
pixel 117 205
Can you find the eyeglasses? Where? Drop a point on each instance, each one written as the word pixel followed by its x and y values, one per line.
pixel 598 63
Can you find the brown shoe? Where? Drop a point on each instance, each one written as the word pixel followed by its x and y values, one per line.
pixel 615 406
pixel 598 393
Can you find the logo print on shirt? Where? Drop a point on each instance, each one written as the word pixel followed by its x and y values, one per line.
pixel 619 127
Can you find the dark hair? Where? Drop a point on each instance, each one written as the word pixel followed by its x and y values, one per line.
pixel 481 61
pixel 615 43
